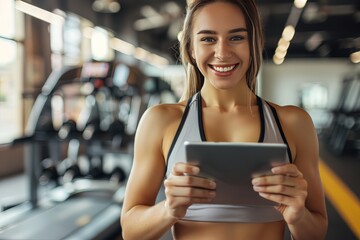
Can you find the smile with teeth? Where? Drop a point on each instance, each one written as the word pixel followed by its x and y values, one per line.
pixel 223 69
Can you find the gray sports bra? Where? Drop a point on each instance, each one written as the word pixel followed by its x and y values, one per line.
pixel 191 129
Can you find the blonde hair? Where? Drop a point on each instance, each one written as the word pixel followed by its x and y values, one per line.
pixel 195 79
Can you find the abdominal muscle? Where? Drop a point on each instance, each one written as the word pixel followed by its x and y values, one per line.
pixel 224 231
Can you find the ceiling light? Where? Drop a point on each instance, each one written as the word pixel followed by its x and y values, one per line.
pixel 137 52
pixel 288 33
pixel 355 57
pixel 149 23
pixel 148 11
pixel 172 8
pixel 140 53
pixel 283 44
pixel 99 44
pixel 300 3
pixel 277 60
pixel 114 7
pixel 280 53
pixel 98 6
pixel 39 13
pixel 157 60
pixel 122 46
pixel 106 6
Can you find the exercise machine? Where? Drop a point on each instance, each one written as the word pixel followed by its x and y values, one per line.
pixel 344 131
pixel 74 128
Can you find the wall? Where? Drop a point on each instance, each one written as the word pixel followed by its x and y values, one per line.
pixel 281 83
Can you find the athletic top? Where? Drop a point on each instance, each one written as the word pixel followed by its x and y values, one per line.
pixel 191 129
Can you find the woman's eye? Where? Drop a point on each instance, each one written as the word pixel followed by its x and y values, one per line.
pixel 207 39
pixel 237 38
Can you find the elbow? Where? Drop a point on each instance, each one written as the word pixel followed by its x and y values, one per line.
pixel 322 227
pixel 124 229
pixel 128 228
pixel 325 226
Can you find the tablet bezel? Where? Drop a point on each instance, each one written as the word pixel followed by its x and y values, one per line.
pixel 233 165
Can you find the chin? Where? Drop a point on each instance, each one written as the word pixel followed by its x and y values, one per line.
pixel 224 85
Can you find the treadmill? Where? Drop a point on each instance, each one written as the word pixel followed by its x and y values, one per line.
pixel 84 209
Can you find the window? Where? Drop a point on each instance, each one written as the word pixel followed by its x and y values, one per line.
pixel 11 74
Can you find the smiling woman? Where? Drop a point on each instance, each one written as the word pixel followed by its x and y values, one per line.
pixel 221 48
pixel 221 54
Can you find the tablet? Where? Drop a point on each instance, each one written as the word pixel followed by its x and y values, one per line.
pixel 233 165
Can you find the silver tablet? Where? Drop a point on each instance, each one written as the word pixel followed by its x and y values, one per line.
pixel 233 165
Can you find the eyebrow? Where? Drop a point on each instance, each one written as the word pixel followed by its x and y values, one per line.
pixel 235 30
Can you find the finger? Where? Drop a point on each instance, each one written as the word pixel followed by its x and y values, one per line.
pixel 190 181
pixel 189 192
pixel 287 169
pixel 274 180
pixel 277 189
pixel 184 168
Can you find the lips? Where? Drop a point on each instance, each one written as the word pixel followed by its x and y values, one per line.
pixel 223 69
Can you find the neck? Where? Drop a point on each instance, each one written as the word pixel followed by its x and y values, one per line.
pixel 228 99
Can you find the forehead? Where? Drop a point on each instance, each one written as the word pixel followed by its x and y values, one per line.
pixel 218 16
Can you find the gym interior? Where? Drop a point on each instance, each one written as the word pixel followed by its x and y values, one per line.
pixel 76 77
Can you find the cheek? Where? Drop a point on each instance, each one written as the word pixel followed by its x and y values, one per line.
pixel 201 55
pixel 245 52
pixel 202 60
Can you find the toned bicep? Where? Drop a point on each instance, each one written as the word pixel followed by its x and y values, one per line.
pixel 148 167
pixel 307 161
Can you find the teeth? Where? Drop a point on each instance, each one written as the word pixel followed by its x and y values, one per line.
pixel 224 69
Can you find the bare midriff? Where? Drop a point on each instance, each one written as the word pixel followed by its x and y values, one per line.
pixel 224 231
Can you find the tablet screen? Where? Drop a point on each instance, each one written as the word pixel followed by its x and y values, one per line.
pixel 233 165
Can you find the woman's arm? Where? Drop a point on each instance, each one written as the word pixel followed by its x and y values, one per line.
pixel 313 223
pixel 141 218
pixel 297 187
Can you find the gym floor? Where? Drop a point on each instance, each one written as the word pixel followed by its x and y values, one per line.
pixel 341 178
pixel 340 175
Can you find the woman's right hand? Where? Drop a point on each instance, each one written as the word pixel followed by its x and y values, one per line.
pixel 183 187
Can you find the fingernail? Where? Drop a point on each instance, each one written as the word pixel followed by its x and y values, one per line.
pixel 212 184
pixel 195 170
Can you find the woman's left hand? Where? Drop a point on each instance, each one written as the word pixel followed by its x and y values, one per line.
pixel 286 186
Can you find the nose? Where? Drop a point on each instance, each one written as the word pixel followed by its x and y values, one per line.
pixel 222 50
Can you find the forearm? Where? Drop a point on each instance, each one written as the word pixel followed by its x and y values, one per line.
pixel 146 222
pixel 310 226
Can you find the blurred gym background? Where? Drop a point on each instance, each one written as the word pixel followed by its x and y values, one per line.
pixel 76 76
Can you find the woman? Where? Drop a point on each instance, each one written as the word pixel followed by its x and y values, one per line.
pixel 221 47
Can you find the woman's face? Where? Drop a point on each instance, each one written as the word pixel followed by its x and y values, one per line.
pixel 220 45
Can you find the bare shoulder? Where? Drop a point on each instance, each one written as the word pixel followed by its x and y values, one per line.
pixel 163 114
pixel 294 117
pixel 159 123
pixel 300 132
